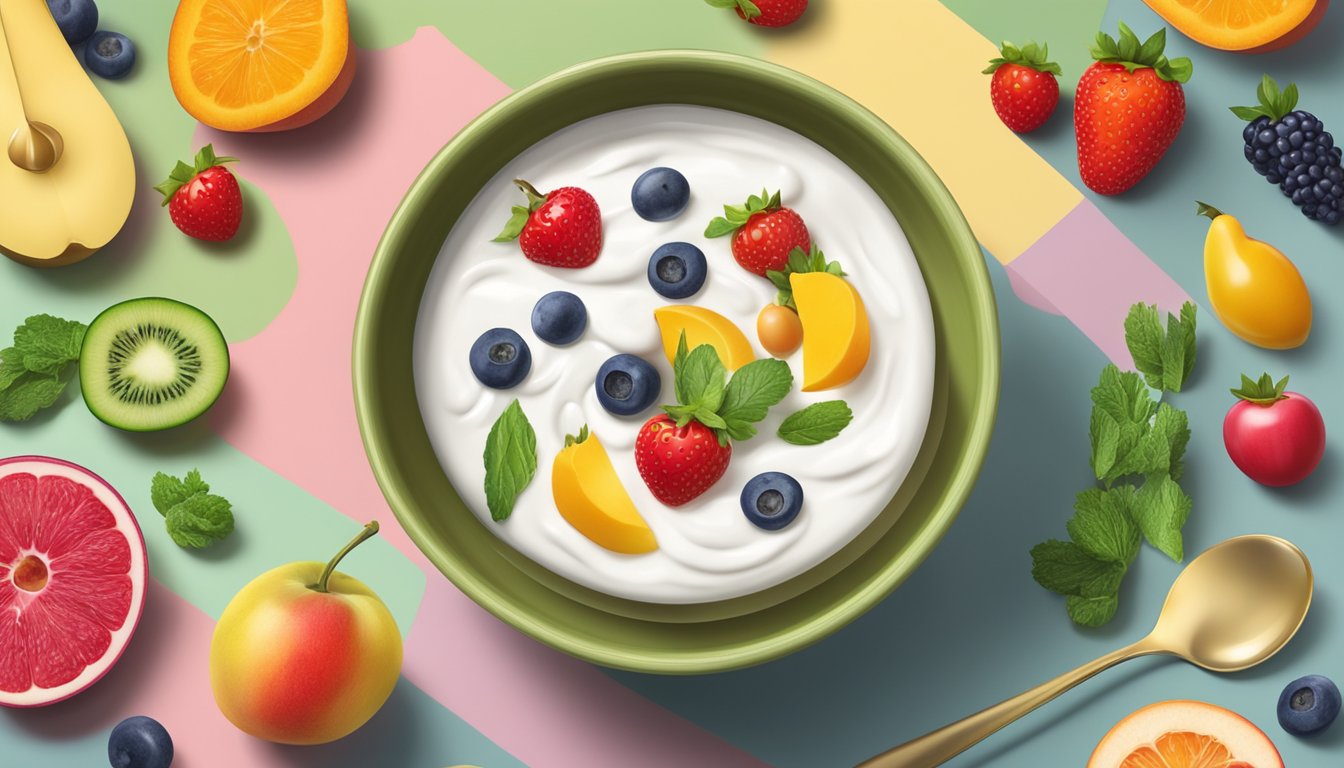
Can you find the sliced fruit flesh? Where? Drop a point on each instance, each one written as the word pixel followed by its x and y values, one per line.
pixel 836 340
pixel 1182 749
pixel 589 495
pixel 151 364
pixel 703 326
pixel 1235 24
pixel 71 583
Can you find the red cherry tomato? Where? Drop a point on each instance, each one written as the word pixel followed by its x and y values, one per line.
pixel 1278 442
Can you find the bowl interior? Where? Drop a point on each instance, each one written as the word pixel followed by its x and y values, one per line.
pixel 714 636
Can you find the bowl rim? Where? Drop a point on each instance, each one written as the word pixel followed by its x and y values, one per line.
pixel 815 626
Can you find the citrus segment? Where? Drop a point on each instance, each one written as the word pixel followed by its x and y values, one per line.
pixel 243 65
pixel 1242 25
pixel 72 579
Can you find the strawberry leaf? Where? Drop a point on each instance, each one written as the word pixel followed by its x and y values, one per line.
pixel 514 226
pixel 734 216
pixel 799 263
pixel 1128 52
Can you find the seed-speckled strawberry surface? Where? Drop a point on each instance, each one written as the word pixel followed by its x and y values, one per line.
pixel 210 206
pixel 679 463
pixel 564 231
pixel 776 13
pixel 1125 122
pixel 765 241
pixel 1023 97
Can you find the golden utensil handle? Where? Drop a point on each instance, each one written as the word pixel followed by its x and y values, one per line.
pixel 949 741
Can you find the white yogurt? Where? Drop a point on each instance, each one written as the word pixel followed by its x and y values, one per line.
pixel 708 550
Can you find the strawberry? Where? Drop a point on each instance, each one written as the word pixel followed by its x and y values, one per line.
pixel 679 463
pixel 1128 108
pixel 203 199
pixel 1024 90
pixel 764 232
pixel 765 13
pixel 562 228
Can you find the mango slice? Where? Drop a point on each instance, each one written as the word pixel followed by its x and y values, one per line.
pixel 836 339
pixel 703 326
pixel 590 497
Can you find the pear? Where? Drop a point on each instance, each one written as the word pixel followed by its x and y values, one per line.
pixel 68 177
pixel 1257 293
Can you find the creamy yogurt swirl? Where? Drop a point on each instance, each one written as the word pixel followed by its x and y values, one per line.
pixel 708 550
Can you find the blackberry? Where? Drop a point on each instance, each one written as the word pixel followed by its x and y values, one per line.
pixel 1290 147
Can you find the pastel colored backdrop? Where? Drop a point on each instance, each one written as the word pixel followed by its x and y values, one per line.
pixel 970 627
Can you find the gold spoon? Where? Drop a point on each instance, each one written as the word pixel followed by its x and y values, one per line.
pixel 1232 607
pixel 34 146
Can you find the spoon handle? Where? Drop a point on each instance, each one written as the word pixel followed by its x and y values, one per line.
pixel 949 741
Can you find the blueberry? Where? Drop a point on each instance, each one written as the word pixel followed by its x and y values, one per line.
pixel 660 194
pixel 500 358
pixel 627 385
pixel 1308 705
pixel 109 54
pixel 677 270
pixel 140 742
pixel 76 18
pixel 559 318
pixel 771 500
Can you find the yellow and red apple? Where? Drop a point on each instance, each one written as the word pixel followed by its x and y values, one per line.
pixel 305 654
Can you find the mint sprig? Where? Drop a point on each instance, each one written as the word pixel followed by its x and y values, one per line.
pixel 1137 452
pixel 1274 103
pixel 735 216
pixel 816 423
pixel 182 173
pixel 730 407
pixel 800 262
pixel 1030 55
pixel 510 460
pixel 1128 52
pixel 35 370
pixel 194 517
pixel 1164 359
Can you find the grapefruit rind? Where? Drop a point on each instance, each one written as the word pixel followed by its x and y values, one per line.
pixel 138 571
pixel 1242 738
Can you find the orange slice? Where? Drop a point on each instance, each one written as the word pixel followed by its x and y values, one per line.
pixel 1251 26
pixel 260 65
pixel 1185 734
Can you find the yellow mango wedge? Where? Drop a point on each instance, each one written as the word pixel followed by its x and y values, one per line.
pixel 836 338
pixel 590 497
pixel 703 326
pixel 1257 293
pixel 59 212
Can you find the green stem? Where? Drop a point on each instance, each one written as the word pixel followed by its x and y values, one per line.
pixel 364 535
pixel 1204 209
pixel 534 198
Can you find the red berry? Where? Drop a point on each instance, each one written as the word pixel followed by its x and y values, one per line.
pixel 1126 114
pixel 562 228
pixel 679 463
pixel 764 232
pixel 774 13
pixel 1023 88
pixel 204 200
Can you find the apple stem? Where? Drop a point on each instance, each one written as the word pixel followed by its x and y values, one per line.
pixel 364 535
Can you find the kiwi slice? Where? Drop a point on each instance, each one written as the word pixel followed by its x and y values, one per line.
pixel 152 363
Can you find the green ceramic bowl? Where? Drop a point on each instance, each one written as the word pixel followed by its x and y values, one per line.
pixel 716 636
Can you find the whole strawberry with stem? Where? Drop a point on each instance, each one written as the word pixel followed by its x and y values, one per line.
pixel 1023 88
pixel 765 13
pixel 684 452
pixel 562 228
pixel 203 198
pixel 1127 109
pixel 1290 147
pixel 764 232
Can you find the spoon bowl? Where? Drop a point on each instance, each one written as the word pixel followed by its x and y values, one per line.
pixel 35 146
pixel 1236 605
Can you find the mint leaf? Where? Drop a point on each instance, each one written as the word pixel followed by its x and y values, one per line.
pixel 199 520
pixel 1065 568
pixel 1174 426
pixel 1092 611
pixel 11 366
pixel 700 378
pixel 510 460
pixel 1167 358
pixel 1121 409
pixel 47 344
pixel 166 491
pixel 816 423
pixel 28 394
pixel 1102 526
pixel 754 388
pixel 1160 510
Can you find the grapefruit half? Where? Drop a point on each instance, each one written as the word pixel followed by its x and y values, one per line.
pixel 1185 734
pixel 72 579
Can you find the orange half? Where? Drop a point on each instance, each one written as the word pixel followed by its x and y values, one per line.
pixel 260 65
pixel 1185 734
pixel 1242 25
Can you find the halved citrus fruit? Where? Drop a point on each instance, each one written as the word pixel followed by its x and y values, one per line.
pixel 1249 26
pixel 72 579
pixel 260 65
pixel 1185 734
